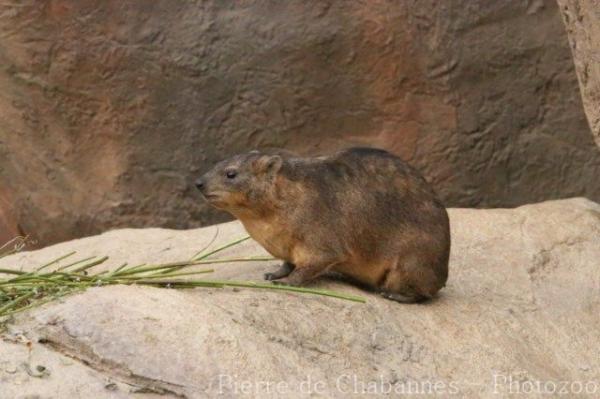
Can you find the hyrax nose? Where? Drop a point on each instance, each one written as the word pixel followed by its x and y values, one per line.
pixel 199 184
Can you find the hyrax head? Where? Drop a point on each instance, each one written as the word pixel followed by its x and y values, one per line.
pixel 243 182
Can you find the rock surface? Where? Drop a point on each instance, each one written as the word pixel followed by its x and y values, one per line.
pixel 109 110
pixel 522 306
pixel 582 20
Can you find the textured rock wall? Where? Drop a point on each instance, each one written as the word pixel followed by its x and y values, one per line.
pixel 9 228
pixel 108 110
pixel 582 20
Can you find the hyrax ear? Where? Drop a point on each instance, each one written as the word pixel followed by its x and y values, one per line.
pixel 268 164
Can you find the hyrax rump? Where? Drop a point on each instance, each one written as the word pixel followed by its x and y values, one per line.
pixel 361 212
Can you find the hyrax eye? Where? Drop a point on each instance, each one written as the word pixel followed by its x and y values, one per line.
pixel 231 174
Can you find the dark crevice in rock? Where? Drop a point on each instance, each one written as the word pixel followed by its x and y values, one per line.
pixel 140 384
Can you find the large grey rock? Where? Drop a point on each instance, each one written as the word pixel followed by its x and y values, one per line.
pixel 110 109
pixel 42 372
pixel 582 20
pixel 521 307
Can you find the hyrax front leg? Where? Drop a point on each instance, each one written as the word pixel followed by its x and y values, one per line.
pixel 284 270
pixel 303 273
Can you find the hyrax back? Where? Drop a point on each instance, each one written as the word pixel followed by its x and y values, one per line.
pixel 360 212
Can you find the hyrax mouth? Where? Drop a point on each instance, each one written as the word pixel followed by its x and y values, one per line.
pixel 211 197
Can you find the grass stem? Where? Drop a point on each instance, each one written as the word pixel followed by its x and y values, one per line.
pixel 23 290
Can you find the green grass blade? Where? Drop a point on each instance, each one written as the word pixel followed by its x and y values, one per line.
pixel 160 275
pixel 291 288
pixel 129 270
pixel 11 304
pixel 197 254
pixel 75 263
pixel 11 271
pixel 221 248
pixel 55 261
pixel 90 265
pixel 118 269
pixel 252 284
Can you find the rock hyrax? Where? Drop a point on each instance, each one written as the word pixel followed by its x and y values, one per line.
pixel 361 212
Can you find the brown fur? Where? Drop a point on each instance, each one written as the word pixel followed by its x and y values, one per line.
pixel 361 212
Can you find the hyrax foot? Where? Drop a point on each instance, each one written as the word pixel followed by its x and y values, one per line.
pixel 299 276
pixel 284 270
pixel 400 298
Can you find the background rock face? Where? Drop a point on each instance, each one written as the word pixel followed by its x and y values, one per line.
pixel 9 228
pixel 109 110
pixel 521 305
pixel 582 19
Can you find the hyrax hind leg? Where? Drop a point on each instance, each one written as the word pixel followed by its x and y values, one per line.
pixel 408 280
